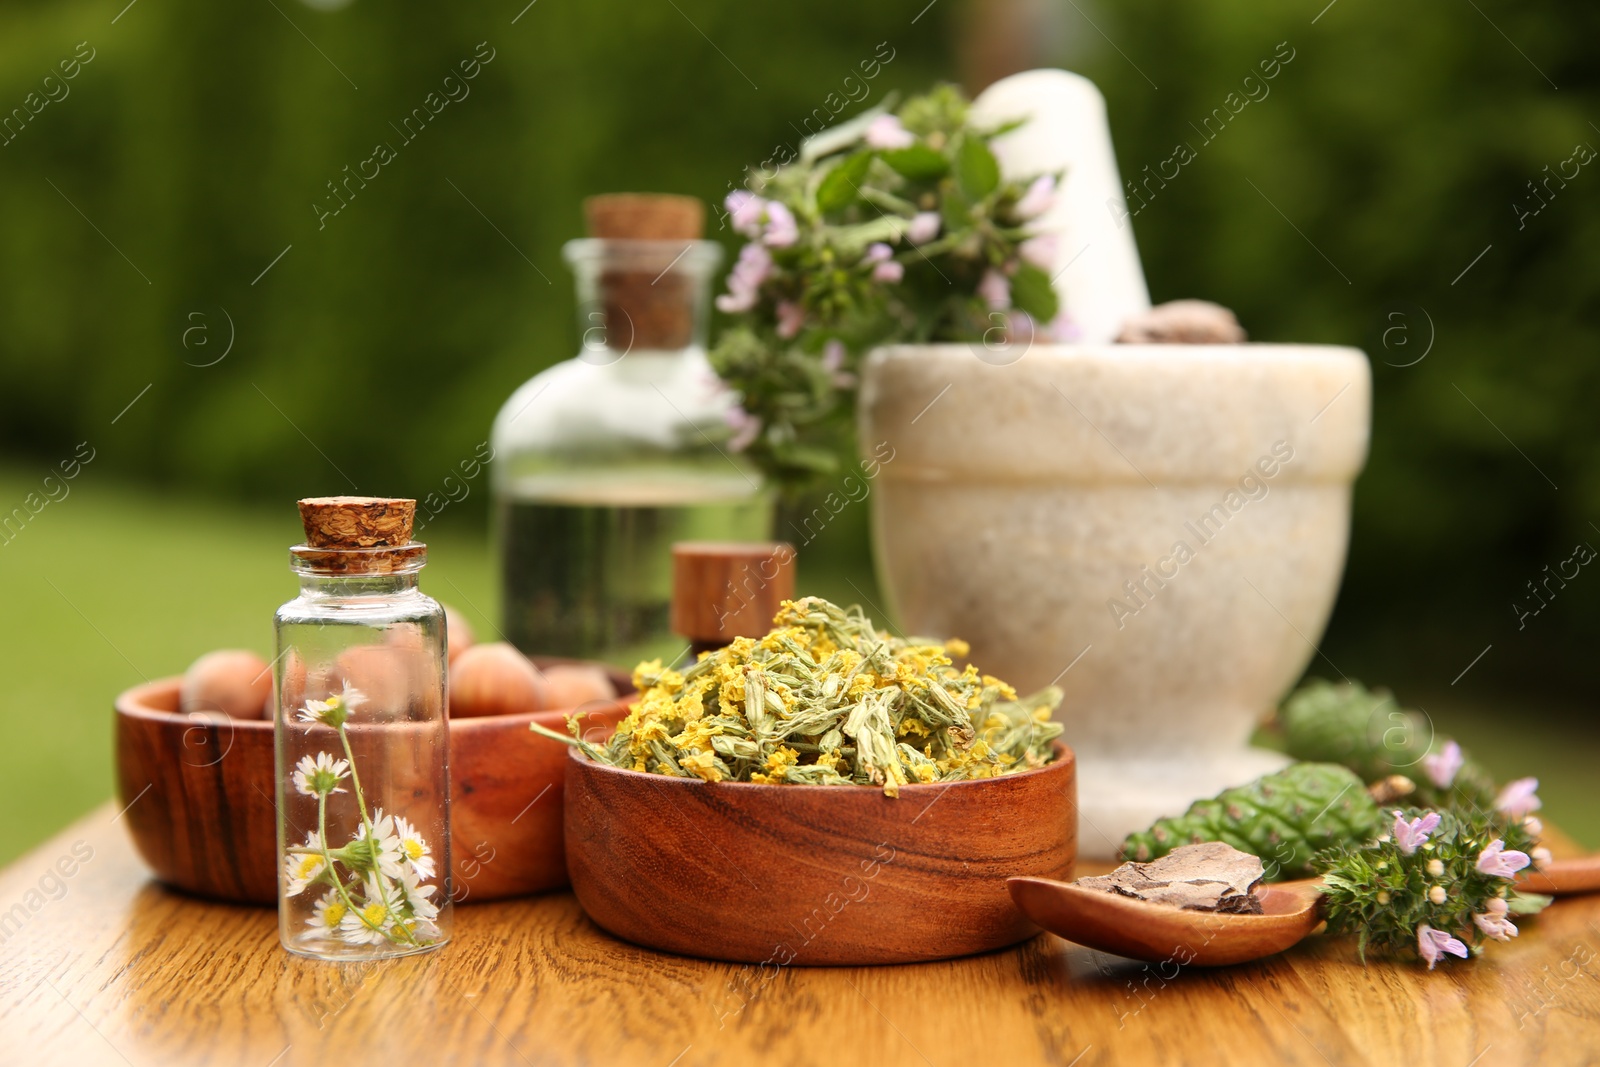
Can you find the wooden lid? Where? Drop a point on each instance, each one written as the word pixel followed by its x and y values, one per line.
pixel 645 217
pixel 723 590
pixel 357 521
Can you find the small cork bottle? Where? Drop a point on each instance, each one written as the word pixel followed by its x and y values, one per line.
pixel 363 783
pixel 645 305
pixel 723 590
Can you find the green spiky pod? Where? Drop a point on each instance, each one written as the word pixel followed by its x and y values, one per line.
pixel 1370 733
pixel 1285 818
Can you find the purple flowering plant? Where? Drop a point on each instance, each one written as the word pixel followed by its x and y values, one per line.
pixel 1437 884
pixel 896 226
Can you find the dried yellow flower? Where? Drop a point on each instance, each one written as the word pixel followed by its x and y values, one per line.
pixel 827 699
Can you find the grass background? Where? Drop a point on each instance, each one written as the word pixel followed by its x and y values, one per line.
pixel 114 585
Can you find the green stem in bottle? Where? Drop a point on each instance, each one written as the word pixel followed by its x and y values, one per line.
pixel 322 832
pixel 355 781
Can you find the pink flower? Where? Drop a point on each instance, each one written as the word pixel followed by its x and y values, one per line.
pixel 781 229
pixel 1040 250
pixel 1541 857
pixel 924 227
pixel 1039 198
pixel 746 428
pixel 887 270
pixel 1443 765
pixel 1411 835
pixel 791 316
pixel 1433 944
pixel 833 354
pixel 886 131
pixel 1493 921
pixel 1020 329
pixel 1497 862
pixel 1519 798
pixel 744 211
pixel 1063 328
pixel 753 268
pixel 995 290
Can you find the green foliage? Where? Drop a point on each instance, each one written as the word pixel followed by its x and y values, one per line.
pixel 1368 731
pixel 1285 818
pixel 836 264
pixel 201 134
pixel 1384 895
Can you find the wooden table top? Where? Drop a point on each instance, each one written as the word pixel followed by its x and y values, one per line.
pixel 106 966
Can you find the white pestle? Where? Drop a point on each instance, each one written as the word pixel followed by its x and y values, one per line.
pixel 1096 272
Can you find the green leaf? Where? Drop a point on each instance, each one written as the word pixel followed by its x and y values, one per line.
pixel 976 169
pixel 918 162
pixel 842 186
pixel 1032 292
pixel 810 458
pixel 1528 903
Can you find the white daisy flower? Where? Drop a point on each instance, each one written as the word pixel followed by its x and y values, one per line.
pixel 415 895
pixel 300 869
pixel 374 917
pixel 320 776
pixel 384 845
pixel 328 913
pixel 415 848
pixel 336 709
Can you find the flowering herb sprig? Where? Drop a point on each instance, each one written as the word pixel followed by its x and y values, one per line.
pixel 894 227
pixel 1437 884
pixel 375 889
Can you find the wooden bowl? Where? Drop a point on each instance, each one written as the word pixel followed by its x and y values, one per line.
pixel 819 875
pixel 198 795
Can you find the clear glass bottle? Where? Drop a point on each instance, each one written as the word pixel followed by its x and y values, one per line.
pixel 363 786
pixel 605 460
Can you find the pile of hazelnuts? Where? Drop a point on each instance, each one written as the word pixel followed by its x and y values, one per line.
pixel 486 679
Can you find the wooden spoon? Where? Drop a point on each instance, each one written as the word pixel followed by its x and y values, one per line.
pixel 1564 877
pixel 1158 933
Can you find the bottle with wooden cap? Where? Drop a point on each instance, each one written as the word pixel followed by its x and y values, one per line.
pixel 722 590
pixel 363 782
pixel 603 461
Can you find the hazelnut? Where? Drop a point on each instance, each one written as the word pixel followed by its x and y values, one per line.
pixel 575 684
pixel 393 676
pixel 233 681
pixel 496 679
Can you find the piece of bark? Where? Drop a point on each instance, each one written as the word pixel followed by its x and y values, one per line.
pixel 1184 322
pixel 1210 876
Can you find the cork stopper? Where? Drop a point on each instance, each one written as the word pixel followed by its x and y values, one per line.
pixel 645 217
pixel 723 590
pixel 357 521
pixel 647 305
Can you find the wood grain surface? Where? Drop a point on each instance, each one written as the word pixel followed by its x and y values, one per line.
pixel 104 966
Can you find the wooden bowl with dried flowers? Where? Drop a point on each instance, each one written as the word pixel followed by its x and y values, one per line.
pixel 830 875
pixel 196 790
pixel 825 794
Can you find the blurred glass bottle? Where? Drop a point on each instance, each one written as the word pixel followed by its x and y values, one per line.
pixel 605 460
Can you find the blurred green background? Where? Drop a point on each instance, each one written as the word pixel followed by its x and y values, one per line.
pixel 159 213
